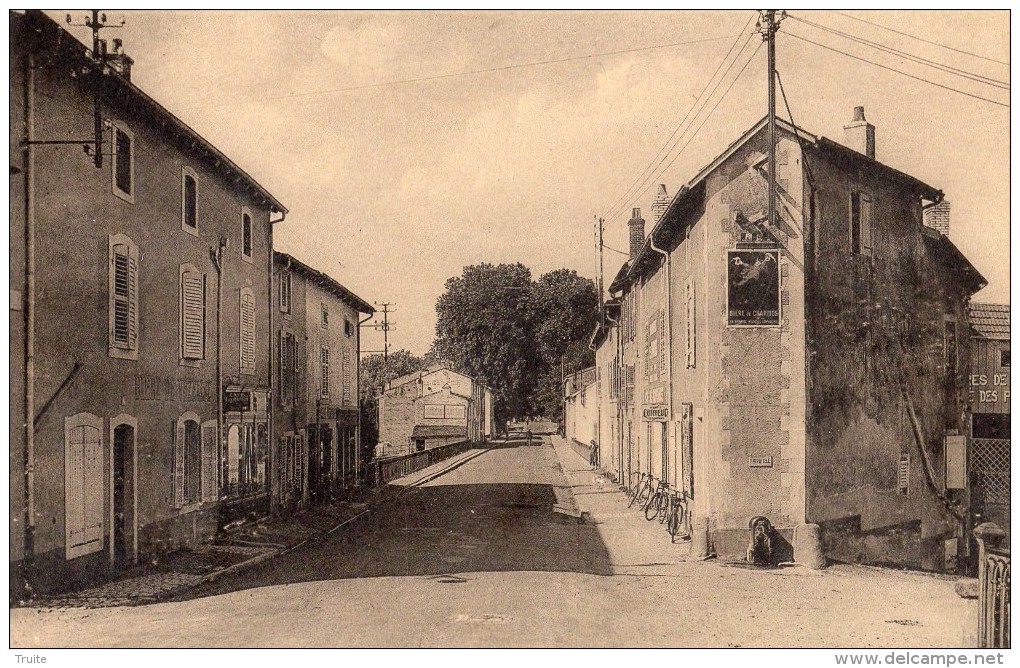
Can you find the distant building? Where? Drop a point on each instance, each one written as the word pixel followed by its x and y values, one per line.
pixel 316 428
pixel 140 296
pixel 812 372
pixel 433 407
pixel 989 453
pixel 580 407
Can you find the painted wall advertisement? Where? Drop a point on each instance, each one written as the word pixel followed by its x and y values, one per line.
pixel 752 288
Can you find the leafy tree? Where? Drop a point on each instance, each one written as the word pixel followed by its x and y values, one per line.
pixel 485 329
pixel 375 373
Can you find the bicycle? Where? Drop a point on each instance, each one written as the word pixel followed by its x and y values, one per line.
pixel 678 516
pixel 644 485
pixel 657 503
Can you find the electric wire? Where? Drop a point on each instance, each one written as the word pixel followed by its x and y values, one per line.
pixel 893 69
pixel 656 171
pixel 997 83
pixel 920 39
pixel 487 70
pixel 626 193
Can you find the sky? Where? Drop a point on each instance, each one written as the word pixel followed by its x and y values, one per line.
pixel 392 189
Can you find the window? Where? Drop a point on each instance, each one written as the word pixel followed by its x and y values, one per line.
pixel 285 292
pixel 123 301
pixel 689 319
pixel 192 314
pixel 325 316
pixel 189 201
pixel 288 368
pixel 1004 359
pixel 324 363
pixel 196 468
pixel 346 377
pixel 123 163
pixel 83 485
pixel 246 232
pixel 348 328
pixel 246 337
pixel 860 223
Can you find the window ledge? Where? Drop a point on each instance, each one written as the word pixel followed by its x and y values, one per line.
pixel 248 258
pixel 193 231
pixel 122 354
pixel 195 364
pixel 120 194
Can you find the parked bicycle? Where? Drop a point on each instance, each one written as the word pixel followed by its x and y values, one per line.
pixel 678 517
pixel 642 490
pixel 658 503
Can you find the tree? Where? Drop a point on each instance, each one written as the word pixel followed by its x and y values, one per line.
pixel 485 329
pixel 497 325
pixel 375 373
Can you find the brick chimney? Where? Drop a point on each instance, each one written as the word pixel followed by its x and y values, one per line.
pixel 937 217
pixel 637 233
pixel 660 204
pixel 859 134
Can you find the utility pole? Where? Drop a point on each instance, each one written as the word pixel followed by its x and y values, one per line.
pixel 599 227
pixel 768 25
pixel 386 326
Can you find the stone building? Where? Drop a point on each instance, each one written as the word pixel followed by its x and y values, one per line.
pixel 809 372
pixel 580 407
pixel 433 407
pixel 316 430
pixel 988 455
pixel 140 296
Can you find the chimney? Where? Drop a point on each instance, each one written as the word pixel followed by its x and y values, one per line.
pixel 937 217
pixel 860 134
pixel 637 233
pixel 660 204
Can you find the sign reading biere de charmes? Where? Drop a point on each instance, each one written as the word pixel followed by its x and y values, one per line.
pixel 752 288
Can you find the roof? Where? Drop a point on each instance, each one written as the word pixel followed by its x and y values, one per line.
pixel 989 321
pixel 438 431
pixel 688 195
pixel 50 34
pixel 324 281
pixel 946 252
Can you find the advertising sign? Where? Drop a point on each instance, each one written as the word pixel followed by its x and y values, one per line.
pixel 752 288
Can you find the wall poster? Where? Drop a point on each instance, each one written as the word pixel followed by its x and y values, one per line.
pixel 752 288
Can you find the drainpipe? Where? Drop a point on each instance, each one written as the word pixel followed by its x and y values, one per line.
pixel 357 370
pixel 619 413
pixel 669 331
pixel 274 497
pixel 29 453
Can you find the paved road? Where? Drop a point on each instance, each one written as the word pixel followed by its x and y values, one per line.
pixel 479 557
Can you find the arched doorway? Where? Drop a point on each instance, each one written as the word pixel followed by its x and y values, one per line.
pixel 123 493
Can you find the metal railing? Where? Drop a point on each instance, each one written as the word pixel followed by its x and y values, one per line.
pixel 993 587
pixel 382 471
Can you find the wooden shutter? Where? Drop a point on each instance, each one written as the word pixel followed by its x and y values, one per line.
pixel 285 292
pixel 299 461
pixel 247 333
pixel 84 485
pixel 124 288
pixel 690 324
pixel 192 315
pixel 662 345
pixel 178 476
pixel 210 467
pixel 94 478
pixel 74 489
pixel 324 360
pixel 866 235
pixel 347 377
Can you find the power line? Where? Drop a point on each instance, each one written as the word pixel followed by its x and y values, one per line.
pixel 893 69
pixel 920 39
pixel 488 70
pixel 626 193
pixel 980 78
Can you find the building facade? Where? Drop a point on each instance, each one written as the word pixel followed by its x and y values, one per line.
pixel 808 372
pixel 142 292
pixel 581 407
pixel 433 407
pixel 317 428
pixel 988 454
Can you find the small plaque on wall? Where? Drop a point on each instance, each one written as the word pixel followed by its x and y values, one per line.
pixel 759 462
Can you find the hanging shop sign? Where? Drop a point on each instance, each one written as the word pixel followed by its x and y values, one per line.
pixel 752 288
pixel 656 413
pixel 236 401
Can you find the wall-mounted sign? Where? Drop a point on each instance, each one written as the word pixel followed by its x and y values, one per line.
pixel 656 413
pixel 235 401
pixel 759 462
pixel 752 288
pixel 655 395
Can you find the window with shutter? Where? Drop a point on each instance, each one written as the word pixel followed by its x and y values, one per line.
pixel 246 236
pixel 123 301
pixel 324 363
pixel 210 462
pixel 123 162
pixel 866 224
pixel 285 292
pixel 83 485
pixel 347 377
pixel 860 223
pixel 192 314
pixel 247 334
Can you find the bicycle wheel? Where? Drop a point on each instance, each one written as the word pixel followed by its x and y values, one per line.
pixel 653 506
pixel 636 493
pixel 673 518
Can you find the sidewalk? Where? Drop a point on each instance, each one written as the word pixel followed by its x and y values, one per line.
pixel 844 605
pixel 240 548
